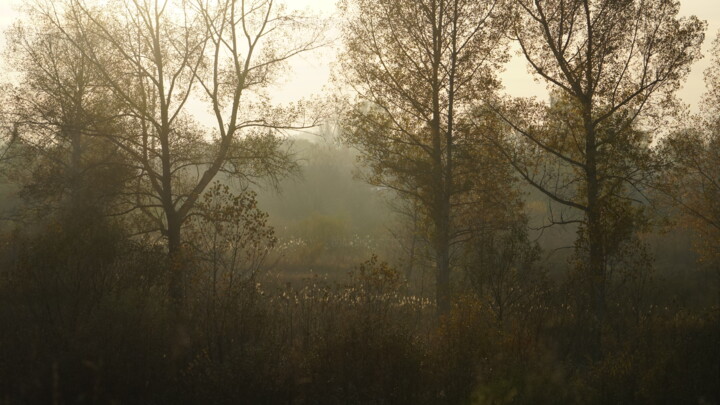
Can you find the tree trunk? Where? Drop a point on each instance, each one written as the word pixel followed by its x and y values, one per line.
pixel 175 261
pixel 441 209
pixel 443 278
pixel 595 240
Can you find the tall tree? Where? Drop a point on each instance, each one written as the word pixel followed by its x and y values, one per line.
pixel 157 57
pixel 693 156
pixel 416 67
pixel 58 101
pixel 608 64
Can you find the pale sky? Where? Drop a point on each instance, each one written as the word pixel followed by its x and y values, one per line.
pixel 311 72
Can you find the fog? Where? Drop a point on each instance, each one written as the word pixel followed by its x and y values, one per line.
pixel 360 202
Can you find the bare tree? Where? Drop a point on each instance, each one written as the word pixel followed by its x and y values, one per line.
pixel 157 57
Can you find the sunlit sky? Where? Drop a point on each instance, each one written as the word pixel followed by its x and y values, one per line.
pixel 311 72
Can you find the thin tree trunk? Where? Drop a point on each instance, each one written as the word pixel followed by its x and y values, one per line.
pixel 175 261
pixel 596 251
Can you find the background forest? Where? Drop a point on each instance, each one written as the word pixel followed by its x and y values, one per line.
pixel 171 231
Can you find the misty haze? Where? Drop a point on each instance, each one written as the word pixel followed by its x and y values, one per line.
pixel 360 202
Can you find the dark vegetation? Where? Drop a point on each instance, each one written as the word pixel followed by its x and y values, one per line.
pixel 436 243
